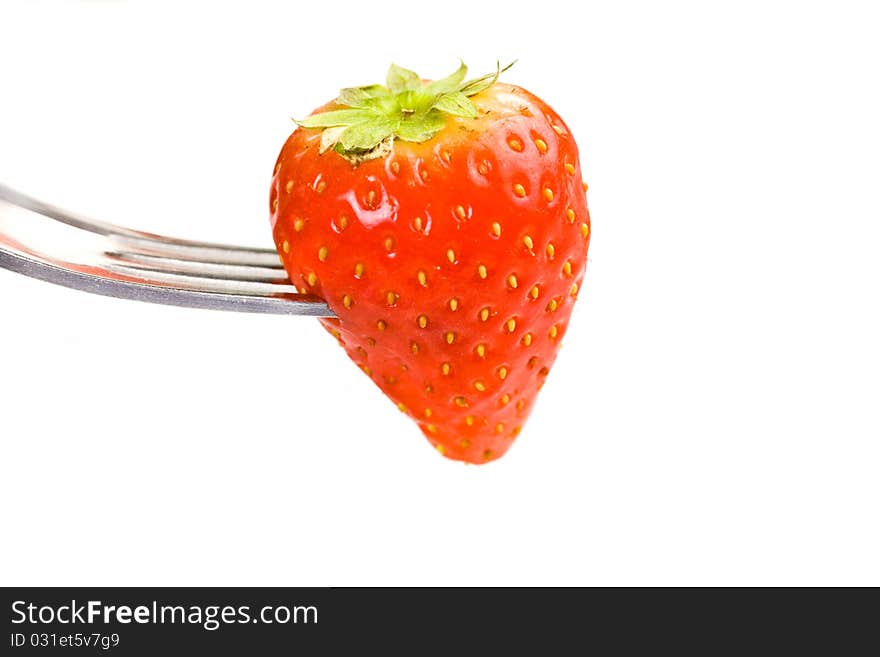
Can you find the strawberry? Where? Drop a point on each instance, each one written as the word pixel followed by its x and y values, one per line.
pixel 446 225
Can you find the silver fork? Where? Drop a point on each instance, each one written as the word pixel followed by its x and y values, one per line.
pixel 44 242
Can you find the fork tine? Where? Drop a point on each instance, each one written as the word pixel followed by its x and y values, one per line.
pixel 203 283
pixel 128 239
pixel 234 272
pixel 197 252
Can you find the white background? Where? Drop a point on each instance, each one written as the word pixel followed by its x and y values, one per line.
pixel 713 416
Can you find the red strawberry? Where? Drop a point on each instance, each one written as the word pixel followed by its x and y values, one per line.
pixel 446 225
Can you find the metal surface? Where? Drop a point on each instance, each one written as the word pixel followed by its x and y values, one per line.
pixel 44 242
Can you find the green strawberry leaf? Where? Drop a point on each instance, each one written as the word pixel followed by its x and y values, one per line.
pixel 422 128
pixel 457 104
pixel 402 79
pixel 449 83
pixel 366 135
pixel 337 117
pixel 361 96
pixel 475 86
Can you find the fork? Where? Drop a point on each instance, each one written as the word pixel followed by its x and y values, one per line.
pixel 50 244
